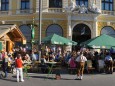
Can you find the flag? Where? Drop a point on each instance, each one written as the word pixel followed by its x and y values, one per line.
pixel 33 30
pixel 83 31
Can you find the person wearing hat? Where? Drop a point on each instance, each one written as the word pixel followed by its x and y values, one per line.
pixel 80 64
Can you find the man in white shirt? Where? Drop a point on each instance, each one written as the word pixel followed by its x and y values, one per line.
pixel 109 63
pixel 81 62
pixel 108 57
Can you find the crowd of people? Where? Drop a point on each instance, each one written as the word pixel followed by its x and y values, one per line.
pixel 16 61
pixel 74 60
pixel 77 59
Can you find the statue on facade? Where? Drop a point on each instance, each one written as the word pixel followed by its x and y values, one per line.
pixel 72 7
pixel 93 8
pixel 83 9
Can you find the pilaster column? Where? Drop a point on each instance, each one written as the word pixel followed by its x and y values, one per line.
pixel 31 6
pixel 114 6
pixel 0 4
pixel 31 2
pixel 95 28
pixel 10 4
pixel 10 7
pixel 69 31
pixel 18 6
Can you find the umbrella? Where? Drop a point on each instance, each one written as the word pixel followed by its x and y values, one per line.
pixel 59 40
pixel 103 41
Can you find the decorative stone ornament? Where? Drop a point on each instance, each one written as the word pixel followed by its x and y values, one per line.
pixel 82 9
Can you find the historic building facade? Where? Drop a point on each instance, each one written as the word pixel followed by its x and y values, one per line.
pixel 78 20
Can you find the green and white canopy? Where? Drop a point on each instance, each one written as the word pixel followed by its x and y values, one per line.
pixel 58 40
pixel 102 41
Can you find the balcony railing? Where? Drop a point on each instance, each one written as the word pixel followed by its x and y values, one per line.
pixel 108 12
pixel 59 10
pixel 51 10
pixel 26 11
pixel 5 12
pixel 55 10
pixel 48 10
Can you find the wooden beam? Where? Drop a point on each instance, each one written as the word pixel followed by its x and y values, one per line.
pixel 17 39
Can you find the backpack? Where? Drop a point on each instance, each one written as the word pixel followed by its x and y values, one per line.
pixel 72 63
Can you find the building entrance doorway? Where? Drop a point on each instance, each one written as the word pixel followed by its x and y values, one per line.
pixel 81 33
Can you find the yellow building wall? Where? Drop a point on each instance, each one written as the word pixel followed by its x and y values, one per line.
pixel 34 5
pixel 62 24
pixel 14 6
pixel 61 19
pixel 105 21
pixel 101 25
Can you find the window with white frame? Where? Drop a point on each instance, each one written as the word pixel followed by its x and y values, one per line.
pixel 107 5
pixel 4 5
pixel 25 4
pixel 55 3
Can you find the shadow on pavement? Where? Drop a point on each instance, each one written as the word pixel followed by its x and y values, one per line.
pixel 66 79
pixel 50 78
pixel 42 77
pixel 14 76
pixel 38 76
pixel 9 80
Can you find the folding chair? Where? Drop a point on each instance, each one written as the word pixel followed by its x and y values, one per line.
pixel 89 66
pixel 101 65
pixel 25 71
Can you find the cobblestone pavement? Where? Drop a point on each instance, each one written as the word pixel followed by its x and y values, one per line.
pixel 67 80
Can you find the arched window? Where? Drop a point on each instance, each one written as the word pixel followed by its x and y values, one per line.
pixel 108 30
pixel 54 29
pixel 107 5
pixel 26 30
pixel 81 33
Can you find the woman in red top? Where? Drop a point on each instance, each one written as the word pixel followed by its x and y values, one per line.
pixel 19 70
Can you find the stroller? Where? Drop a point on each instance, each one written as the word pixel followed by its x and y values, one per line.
pixel 2 74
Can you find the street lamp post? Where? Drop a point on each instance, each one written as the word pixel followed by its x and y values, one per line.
pixel 32 34
pixel 40 19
